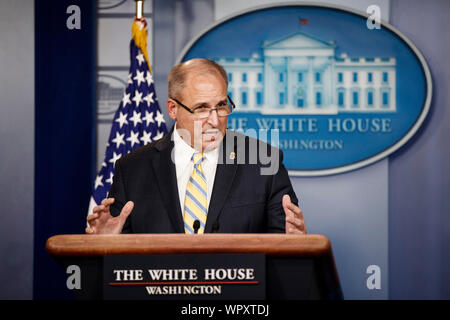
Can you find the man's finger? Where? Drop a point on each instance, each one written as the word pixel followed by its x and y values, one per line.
pixel 286 200
pixel 294 211
pixel 98 208
pixel 89 230
pixel 92 217
pixel 108 201
pixel 126 210
pixel 289 205
pixel 299 223
pixel 294 217
pixel 295 227
pixel 293 230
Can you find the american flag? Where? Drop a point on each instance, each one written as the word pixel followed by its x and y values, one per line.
pixel 302 21
pixel 137 122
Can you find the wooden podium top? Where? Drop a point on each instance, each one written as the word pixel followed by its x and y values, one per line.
pixel 270 244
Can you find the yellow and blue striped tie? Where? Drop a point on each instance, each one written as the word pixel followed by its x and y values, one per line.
pixel 195 203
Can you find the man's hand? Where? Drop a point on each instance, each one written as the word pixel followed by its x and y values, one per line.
pixel 295 224
pixel 101 221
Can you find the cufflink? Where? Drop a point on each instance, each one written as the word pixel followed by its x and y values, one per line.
pixel 232 155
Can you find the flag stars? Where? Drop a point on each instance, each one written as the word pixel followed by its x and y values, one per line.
pixel 126 99
pixel 110 179
pixel 158 136
pixel 133 138
pixel 159 118
pixel 122 119
pixel 98 182
pixel 146 137
pixel 139 77
pixel 148 118
pixel 118 140
pixel 149 99
pixel 136 118
pixel 140 58
pixel 149 78
pixel 137 97
pixel 115 157
pixel 129 80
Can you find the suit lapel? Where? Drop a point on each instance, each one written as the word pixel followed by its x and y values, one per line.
pixel 167 180
pixel 223 180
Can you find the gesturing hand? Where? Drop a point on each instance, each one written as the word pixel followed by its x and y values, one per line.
pixel 102 222
pixel 295 224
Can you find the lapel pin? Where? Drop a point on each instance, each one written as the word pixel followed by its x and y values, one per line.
pixel 232 155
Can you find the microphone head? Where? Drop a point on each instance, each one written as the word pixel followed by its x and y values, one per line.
pixel 196 226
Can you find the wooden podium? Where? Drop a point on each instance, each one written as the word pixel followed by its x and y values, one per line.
pixel 297 267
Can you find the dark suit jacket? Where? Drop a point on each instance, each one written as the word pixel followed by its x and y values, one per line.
pixel 243 199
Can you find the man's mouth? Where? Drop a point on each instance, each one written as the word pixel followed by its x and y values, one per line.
pixel 210 135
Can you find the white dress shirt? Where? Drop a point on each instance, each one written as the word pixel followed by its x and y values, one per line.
pixel 184 166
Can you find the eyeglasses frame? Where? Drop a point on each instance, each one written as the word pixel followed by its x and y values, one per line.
pixel 211 109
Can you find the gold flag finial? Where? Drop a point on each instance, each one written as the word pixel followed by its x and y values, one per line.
pixel 139 9
pixel 139 31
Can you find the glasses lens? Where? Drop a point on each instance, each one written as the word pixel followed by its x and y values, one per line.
pixel 202 114
pixel 224 110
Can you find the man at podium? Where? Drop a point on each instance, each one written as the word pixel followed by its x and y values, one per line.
pixel 200 177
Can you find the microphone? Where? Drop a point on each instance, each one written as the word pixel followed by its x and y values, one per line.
pixel 215 226
pixel 196 226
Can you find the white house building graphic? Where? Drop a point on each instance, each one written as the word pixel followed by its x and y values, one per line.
pixel 300 74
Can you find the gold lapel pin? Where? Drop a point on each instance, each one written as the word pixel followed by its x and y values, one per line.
pixel 232 155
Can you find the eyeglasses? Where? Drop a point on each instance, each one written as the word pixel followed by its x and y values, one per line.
pixel 205 112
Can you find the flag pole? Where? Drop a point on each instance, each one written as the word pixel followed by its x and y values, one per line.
pixel 139 31
pixel 139 9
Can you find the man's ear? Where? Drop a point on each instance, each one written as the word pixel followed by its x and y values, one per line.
pixel 171 109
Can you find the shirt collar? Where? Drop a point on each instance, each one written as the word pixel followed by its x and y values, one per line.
pixel 184 152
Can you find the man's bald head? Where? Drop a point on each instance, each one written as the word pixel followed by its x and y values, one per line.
pixel 180 73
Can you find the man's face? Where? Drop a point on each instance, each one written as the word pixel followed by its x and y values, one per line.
pixel 201 90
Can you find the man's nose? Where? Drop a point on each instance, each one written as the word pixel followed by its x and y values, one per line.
pixel 213 118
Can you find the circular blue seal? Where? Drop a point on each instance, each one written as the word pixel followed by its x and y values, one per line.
pixel 332 90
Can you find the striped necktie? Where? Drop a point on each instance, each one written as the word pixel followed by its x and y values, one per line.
pixel 195 200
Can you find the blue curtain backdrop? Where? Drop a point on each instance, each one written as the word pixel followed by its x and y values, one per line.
pixel 64 136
